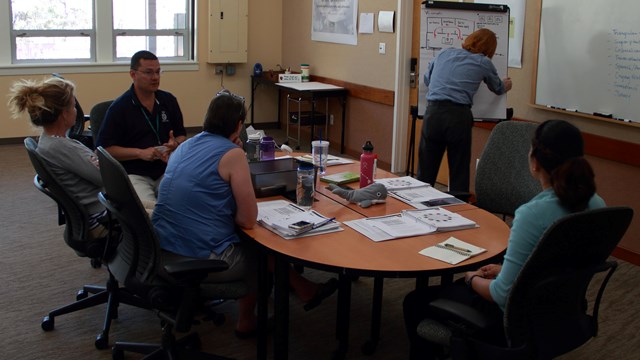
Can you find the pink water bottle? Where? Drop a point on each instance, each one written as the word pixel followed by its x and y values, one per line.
pixel 368 163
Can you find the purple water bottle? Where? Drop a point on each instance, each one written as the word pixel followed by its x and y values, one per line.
pixel 267 148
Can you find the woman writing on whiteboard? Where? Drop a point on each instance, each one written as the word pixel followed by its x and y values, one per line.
pixel 453 77
pixel 556 160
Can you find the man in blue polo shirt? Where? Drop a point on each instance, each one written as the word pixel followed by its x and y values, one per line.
pixel 143 126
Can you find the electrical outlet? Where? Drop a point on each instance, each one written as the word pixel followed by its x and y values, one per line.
pixel 331 119
pixel 219 69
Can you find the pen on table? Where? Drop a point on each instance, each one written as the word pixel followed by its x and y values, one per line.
pixel 457 248
pixel 400 196
pixel 315 226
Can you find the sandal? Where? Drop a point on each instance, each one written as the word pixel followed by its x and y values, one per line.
pixel 324 291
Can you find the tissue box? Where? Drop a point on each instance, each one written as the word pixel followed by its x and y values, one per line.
pixel 274 177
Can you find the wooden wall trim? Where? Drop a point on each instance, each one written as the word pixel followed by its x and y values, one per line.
pixel 380 96
pixel 598 146
pixel 626 255
pixel 612 149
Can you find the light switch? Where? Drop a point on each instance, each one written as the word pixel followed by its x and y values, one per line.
pixel 382 48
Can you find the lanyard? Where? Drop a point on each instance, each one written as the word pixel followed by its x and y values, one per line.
pixel 155 129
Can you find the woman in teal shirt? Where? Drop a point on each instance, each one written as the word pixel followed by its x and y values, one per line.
pixel 556 160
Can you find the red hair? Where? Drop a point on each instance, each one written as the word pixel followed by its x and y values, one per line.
pixel 481 41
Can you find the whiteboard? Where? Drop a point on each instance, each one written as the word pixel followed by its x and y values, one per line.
pixel 589 57
pixel 446 24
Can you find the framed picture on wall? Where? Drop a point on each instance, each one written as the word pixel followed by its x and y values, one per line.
pixel 335 21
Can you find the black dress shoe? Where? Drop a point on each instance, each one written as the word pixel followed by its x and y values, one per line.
pixel 324 291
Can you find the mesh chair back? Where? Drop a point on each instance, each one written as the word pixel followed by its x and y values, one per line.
pixel 76 219
pixel 503 181
pixel 546 308
pixel 136 261
pixel 98 111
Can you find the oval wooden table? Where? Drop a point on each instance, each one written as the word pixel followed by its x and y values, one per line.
pixel 349 253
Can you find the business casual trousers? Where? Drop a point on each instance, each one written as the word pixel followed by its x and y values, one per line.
pixel 242 258
pixel 446 126
pixel 146 188
pixel 416 308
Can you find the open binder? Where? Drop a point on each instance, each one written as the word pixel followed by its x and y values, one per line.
pixel 410 223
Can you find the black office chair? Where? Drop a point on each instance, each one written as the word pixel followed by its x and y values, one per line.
pixel 173 289
pixel 75 218
pixel 77 131
pixel 98 111
pixel 546 313
pixel 503 181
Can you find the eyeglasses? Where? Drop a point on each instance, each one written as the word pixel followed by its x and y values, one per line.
pixel 229 93
pixel 149 72
pixel 225 92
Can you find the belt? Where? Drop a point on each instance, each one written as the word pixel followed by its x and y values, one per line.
pixel 446 102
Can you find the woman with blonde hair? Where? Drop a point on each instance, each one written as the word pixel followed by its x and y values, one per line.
pixel 453 78
pixel 51 105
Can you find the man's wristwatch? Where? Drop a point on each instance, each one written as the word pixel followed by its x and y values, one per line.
pixel 470 280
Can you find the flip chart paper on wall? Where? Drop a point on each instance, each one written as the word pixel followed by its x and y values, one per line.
pixel 447 24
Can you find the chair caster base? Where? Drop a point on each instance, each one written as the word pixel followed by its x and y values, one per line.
pixel 48 323
pixel 102 342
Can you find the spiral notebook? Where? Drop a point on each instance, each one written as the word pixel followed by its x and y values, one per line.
pixel 452 251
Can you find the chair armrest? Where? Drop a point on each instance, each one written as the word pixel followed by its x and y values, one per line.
pixel 194 268
pixel 462 313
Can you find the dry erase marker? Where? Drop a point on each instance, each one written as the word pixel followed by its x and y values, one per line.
pixel 457 248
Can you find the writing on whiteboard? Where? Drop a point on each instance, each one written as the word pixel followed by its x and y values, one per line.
pixel 625 64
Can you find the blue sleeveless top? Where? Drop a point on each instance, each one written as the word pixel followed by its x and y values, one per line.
pixel 195 212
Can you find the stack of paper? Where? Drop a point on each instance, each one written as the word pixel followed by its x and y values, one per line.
pixel 279 215
pixel 416 193
pixel 401 183
pixel 410 223
pixel 441 219
pixel 452 251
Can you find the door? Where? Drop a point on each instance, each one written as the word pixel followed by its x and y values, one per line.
pixel 443 173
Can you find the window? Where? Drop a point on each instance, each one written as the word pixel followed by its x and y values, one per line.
pixel 52 30
pixel 157 25
pixel 98 31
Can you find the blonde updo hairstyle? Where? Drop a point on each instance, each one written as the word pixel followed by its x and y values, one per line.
pixel 43 101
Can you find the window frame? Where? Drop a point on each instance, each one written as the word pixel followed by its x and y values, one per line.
pixel 103 43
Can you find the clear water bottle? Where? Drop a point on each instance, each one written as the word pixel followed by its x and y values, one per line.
pixel 305 185
pixel 267 148
pixel 252 147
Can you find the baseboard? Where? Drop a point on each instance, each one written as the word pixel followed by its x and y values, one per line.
pixel 626 255
pixel 13 141
pixel 265 125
